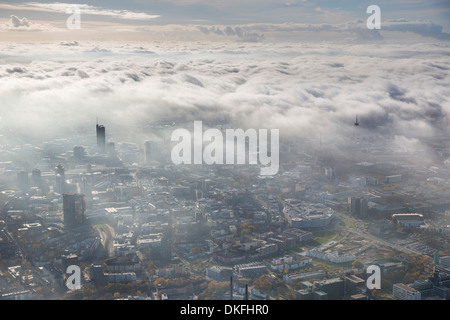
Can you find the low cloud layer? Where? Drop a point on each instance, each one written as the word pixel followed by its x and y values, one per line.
pixel 302 89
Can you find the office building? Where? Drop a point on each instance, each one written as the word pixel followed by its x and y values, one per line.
pixel 251 270
pixel 60 179
pixel 22 180
pixel 402 291
pixel 96 274
pixel 36 178
pixel 444 262
pixel 101 138
pixel 358 206
pixel 394 179
pixel 219 273
pixel 334 287
pixel 408 219
pixel 74 206
pixel 353 285
pixel 68 260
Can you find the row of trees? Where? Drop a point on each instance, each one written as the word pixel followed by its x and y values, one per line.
pixel 177 281
pixel 109 291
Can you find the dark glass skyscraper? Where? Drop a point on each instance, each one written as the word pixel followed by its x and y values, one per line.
pixel 60 179
pixel 101 138
pixel 74 207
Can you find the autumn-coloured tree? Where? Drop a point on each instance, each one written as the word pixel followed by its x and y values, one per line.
pixel 263 283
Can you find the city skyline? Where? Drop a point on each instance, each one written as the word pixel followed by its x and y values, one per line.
pixel 243 150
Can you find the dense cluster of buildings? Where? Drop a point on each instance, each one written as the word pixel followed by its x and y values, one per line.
pixel 437 286
pixel 307 216
pixel 115 207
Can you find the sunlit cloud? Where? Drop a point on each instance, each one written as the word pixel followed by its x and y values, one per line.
pixel 92 10
pixel 301 89
pixel 23 24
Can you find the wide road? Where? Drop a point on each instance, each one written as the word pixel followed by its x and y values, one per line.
pixel 107 242
pixel 375 239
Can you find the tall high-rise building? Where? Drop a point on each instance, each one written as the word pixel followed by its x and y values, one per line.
pixel 353 205
pixel 147 152
pixel 101 137
pixel 364 207
pixel 74 208
pixel 22 179
pixel 358 206
pixel 60 179
pixel 60 170
pixel 36 178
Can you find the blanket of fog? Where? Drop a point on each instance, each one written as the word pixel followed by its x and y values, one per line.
pixel 302 89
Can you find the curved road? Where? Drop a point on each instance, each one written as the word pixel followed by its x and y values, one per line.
pixel 104 238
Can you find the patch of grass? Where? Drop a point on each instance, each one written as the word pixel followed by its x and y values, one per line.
pixel 324 237
pixel 349 224
pixel 329 266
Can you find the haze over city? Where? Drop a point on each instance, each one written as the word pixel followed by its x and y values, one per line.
pixel 90 94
